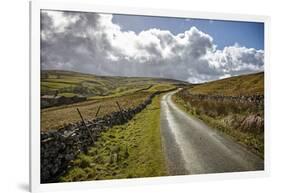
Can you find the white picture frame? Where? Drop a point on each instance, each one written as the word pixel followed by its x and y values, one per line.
pixel 35 8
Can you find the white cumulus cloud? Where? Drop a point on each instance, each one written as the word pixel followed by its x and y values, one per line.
pixel 89 42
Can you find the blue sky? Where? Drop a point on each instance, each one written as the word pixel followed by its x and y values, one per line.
pixel 224 33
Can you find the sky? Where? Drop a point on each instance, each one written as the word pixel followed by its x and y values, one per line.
pixel 225 33
pixel 193 50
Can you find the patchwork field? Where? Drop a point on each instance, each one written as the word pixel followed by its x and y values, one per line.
pixel 101 92
pixel 68 83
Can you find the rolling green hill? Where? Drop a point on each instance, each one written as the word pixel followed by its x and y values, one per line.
pixel 101 91
pixel 250 84
pixel 69 83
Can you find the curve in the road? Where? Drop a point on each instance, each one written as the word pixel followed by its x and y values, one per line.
pixel 192 147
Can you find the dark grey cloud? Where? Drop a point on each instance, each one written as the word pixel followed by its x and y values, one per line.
pixel 89 42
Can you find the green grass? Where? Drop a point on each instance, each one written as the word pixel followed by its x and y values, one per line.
pixel 160 86
pixel 126 151
pixel 121 91
pixel 234 86
pixel 55 85
pixel 66 94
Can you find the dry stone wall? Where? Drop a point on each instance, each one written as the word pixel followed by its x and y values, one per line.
pixel 256 99
pixel 58 148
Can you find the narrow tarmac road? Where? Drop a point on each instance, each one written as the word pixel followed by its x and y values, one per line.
pixel 192 147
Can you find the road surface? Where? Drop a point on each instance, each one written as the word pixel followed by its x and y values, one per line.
pixel 192 147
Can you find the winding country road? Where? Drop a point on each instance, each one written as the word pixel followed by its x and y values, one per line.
pixel 194 148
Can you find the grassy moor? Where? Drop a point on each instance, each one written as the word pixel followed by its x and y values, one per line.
pixel 234 106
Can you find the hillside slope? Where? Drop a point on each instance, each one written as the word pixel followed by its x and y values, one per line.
pixel 69 83
pixel 234 106
pixel 243 85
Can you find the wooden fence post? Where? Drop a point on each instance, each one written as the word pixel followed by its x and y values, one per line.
pixel 121 111
pixel 85 125
pixel 98 111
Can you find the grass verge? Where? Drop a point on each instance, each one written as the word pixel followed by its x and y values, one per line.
pixel 126 151
pixel 251 140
